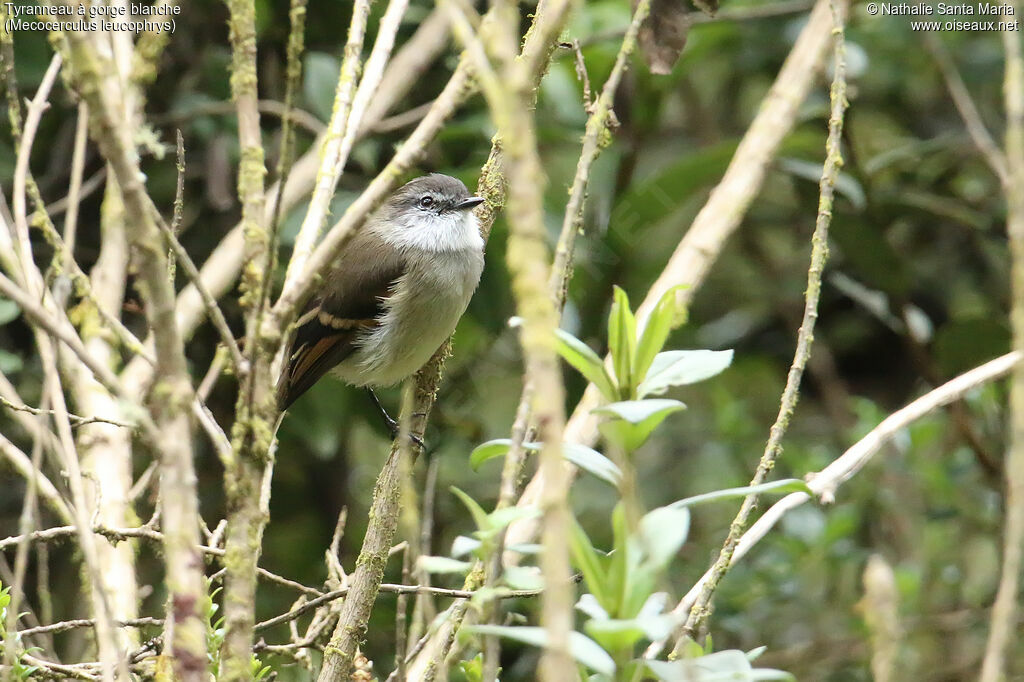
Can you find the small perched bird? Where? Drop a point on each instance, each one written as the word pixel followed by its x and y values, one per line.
pixel 395 293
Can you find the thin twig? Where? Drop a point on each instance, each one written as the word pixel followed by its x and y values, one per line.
pixel 717 220
pixel 75 186
pixel 388 588
pixel 805 337
pixel 331 161
pixel 216 315
pixel 968 110
pixel 599 121
pixel 76 420
pixel 825 483
pixel 66 625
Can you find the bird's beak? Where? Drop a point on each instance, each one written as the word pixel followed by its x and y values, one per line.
pixel 469 203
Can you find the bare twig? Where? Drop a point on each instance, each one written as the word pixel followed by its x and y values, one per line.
pixel 96 77
pixel 509 98
pixel 331 156
pixel 22 463
pixel 824 483
pixel 66 625
pixel 216 315
pixel 76 420
pixel 964 103
pixel 75 187
pixel 333 595
pixel 819 254
pixel 599 121
pixel 718 218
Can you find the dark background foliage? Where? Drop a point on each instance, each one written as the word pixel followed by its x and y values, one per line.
pixel 916 291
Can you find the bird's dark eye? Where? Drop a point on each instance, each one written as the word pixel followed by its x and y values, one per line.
pixel 426 201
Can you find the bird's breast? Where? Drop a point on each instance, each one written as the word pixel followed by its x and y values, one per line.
pixel 421 313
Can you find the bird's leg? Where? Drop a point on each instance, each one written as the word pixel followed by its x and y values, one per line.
pixel 391 423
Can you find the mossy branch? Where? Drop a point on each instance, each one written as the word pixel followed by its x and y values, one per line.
pixel 700 610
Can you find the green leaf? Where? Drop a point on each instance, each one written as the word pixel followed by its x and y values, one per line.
pixel 586 559
pixel 500 518
pixel 523 578
pixel 585 458
pixel 650 623
pixel 786 485
pixel 593 462
pixel 442 564
pixel 581 647
pixel 614 635
pixel 633 421
pixel 586 362
pixel 588 604
pixel 463 545
pixel 664 531
pixel 721 666
pixel 659 325
pixel 489 450
pixel 9 311
pixel 681 367
pixel 479 515
pixel 622 342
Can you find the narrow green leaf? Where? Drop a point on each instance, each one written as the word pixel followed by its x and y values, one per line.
pixel 581 647
pixel 489 450
pixel 632 421
pixel 614 635
pixel 786 485
pixel 659 325
pixel 585 458
pixel 480 517
pixel 664 531
pixel 593 462
pixel 585 558
pixel 523 578
pixel 681 367
pixel 586 362
pixel 622 342
pixel 500 518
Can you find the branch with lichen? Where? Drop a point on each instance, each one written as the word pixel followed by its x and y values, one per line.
pixel 331 158
pixel 255 409
pixel 509 97
pixel 95 77
pixel 717 220
pixel 700 610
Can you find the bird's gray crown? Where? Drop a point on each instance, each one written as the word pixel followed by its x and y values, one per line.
pixel 434 193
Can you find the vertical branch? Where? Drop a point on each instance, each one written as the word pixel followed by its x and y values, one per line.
pixel 98 83
pixel 1004 611
pixel 365 581
pixel 819 254
pixel 255 410
pixel 509 98
pixel 720 216
pixel 331 162
pixel 598 125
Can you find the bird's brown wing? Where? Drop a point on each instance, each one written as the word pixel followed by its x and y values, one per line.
pixel 325 334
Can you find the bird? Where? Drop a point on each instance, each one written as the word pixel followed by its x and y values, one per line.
pixel 393 296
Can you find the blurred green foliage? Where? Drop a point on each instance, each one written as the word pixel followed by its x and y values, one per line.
pixel 915 292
